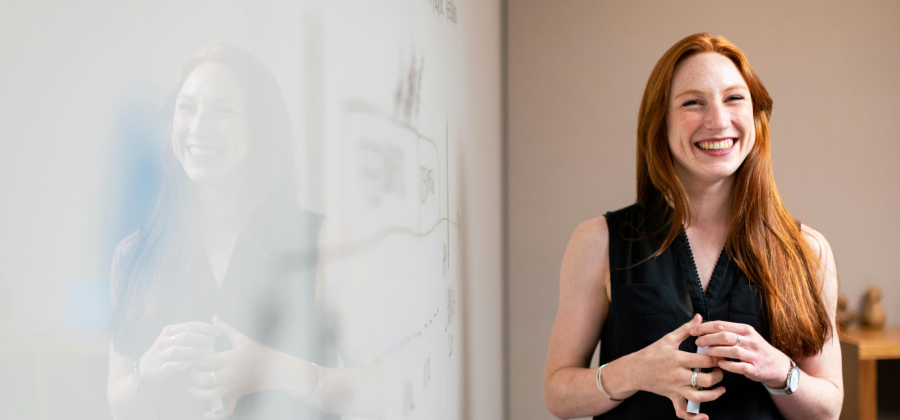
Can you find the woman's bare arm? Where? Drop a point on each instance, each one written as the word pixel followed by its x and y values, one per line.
pixel 821 390
pixel 570 388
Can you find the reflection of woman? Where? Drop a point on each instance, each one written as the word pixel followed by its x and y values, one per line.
pixel 709 240
pixel 226 243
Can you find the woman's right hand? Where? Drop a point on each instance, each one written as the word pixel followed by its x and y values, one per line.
pixel 666 371
pixel 174 350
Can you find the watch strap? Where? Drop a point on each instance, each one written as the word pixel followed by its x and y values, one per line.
pixel 787 386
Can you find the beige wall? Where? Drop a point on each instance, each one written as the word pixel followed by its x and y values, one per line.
pixel 576 72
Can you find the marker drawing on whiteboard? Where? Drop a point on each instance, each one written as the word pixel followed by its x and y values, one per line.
pixel 694 407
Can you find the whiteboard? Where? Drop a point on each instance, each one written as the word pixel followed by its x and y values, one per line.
pixel 396 111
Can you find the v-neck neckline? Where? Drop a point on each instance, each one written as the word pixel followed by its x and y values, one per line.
pixel 228 265
pixel 714 279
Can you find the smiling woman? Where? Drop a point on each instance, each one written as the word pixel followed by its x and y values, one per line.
pixel 710 118
pixel 209 128
pixel 708 240
pixel 215 299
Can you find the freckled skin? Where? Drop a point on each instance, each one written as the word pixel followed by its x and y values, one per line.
pixel 708 99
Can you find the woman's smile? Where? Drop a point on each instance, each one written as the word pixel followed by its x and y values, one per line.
pixel 204 153
pixel 717 147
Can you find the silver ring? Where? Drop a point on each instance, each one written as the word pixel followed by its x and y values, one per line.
pixel 739 341
pixel 694 379
pixel 173 339
pixel 215 380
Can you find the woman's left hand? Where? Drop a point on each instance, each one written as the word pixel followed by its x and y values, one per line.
pixel 231 374
pixel 757 359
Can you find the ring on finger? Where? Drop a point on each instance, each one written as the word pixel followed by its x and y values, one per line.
pixel 173 339
pixel 738 344
pixel 694 379
pixel 215 380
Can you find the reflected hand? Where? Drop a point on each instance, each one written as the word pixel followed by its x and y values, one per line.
pixel 757 359
pixel 667 371
pixel 231 374
pixel 173 351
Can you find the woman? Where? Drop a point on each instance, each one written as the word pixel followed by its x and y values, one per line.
pixel 215 298
pixel 708 240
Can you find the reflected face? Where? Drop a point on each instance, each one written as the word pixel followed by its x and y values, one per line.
pixel 209 128
pixel 709 119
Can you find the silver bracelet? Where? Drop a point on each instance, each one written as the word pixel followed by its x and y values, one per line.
pixel 319 383
pixel 601 386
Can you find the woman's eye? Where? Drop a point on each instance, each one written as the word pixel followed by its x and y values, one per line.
pixel 691 102
pixel 224 111
pixel 185 107
pixel 735 98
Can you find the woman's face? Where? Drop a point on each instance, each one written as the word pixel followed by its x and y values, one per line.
pixel 710 118
pixel 209 128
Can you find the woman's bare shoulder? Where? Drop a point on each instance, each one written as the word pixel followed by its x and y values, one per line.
pixel 816 240
pixel 592 234
pixel 586 256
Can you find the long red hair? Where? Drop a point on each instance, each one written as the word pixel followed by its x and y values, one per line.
pixel 763 239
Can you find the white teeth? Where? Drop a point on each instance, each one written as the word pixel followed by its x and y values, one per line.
pixel 716 145
pixel 202 151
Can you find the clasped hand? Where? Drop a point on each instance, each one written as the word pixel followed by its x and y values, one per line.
pixel 667 371
pixel 752 356
pixel 231 374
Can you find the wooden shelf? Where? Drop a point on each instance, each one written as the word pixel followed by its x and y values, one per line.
pixel 874 344
pixel 861 350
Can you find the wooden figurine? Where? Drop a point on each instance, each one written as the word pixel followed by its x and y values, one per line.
pixel 845 315
pixel 873 314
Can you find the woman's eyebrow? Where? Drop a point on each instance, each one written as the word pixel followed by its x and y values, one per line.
pixel 700 92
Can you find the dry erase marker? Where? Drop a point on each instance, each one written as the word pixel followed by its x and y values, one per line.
pixel 216 404
pixel 694 407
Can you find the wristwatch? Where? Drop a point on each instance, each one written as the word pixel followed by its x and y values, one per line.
pixel 793 381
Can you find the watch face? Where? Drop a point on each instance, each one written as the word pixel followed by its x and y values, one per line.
pixel 795 379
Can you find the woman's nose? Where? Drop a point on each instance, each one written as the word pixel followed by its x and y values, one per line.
pixel 717 118
pixel 202 123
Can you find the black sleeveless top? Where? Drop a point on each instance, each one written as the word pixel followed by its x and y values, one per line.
pixel 268 294
pixel 654 297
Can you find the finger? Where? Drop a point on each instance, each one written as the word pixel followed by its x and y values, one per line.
pixel 194 339
pixel 694 360
pixel 230 333
pixel 741 368
pixel 731 352
pixel 713 327
pixel 680 405
pixel 701 396
pixel 708 380
pixel 227 411
pixel 721 339
pixel 205 379
pixel 684 331
pixel 705 380
pixel 182 352
pixel 193 327
pixel 207 394
pixel 169 368
pixel 213 361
